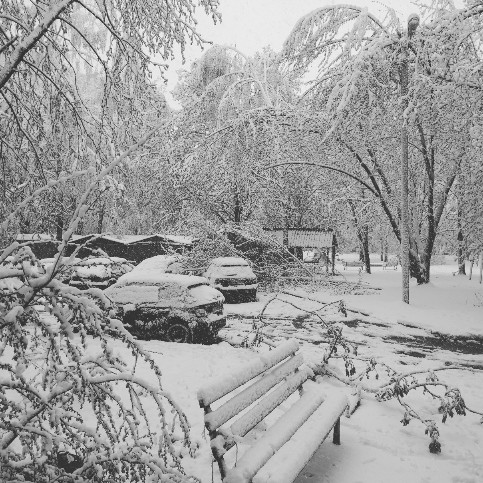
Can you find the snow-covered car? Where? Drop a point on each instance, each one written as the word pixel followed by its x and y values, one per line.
pixel 234 278
pixel 163 264
pixel 98 272
pixel 172 307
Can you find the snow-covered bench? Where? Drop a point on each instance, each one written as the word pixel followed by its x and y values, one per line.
pixel 390 264
pixel 283 450
pixel 358 264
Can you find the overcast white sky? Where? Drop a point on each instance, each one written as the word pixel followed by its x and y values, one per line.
pixel 251 25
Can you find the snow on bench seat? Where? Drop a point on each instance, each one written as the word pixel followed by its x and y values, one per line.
pixel 266 405
pixel 290 460
pixel 221 387
pixel 308 421
pixel 249 395
pixel 275 437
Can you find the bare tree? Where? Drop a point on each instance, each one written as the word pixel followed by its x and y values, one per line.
pixel 358 87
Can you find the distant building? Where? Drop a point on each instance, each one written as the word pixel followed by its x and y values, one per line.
pixel 296 240
pixel 131 247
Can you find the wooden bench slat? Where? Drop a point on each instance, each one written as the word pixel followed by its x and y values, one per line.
pixel 275 437
pixel 249 395
pixel 291 439
pixel 222 386
pixel 266 405
pixel 291 458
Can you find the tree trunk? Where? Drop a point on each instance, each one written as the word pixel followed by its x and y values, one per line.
pixel 365 248
pixel 480 265
pixel 424 268
pixel 333 259
pixel 362 236
pixel 405 255
pixel 238 209
pixel 100 219
pixel 59 226
pixel 460 238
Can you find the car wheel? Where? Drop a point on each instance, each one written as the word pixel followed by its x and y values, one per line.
pixel 179 332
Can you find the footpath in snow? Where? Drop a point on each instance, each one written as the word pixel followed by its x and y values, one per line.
pixel 449 304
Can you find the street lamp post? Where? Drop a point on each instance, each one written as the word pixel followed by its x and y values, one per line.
pixel 413 22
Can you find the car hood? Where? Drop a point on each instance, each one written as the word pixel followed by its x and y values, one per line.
pixel 204 294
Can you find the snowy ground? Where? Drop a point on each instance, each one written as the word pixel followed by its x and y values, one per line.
pixel 375 447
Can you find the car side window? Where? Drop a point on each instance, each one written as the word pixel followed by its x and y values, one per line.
pixel 144 293
pixel 168 293
pixel 136 294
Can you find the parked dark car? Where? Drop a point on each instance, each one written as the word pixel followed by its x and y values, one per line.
pixel 234 278
pixel 171 307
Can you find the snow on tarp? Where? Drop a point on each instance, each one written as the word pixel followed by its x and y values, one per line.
pixel 291 458
pixel 276 436
pixel 249 395
pixel 131 239
pixel 33 237
pixel 222 386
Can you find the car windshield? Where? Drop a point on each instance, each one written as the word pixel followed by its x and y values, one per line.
pixel 239 271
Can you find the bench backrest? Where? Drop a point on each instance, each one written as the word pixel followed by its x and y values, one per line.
pixel 280 367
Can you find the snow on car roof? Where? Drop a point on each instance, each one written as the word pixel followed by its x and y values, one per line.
pixel 229 261
pixel 149 277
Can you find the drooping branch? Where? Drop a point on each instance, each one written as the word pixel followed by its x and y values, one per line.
pixel 377 190
pixel 29 42
pixel 325 166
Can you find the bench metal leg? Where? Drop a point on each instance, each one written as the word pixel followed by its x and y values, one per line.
pixel 336 436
